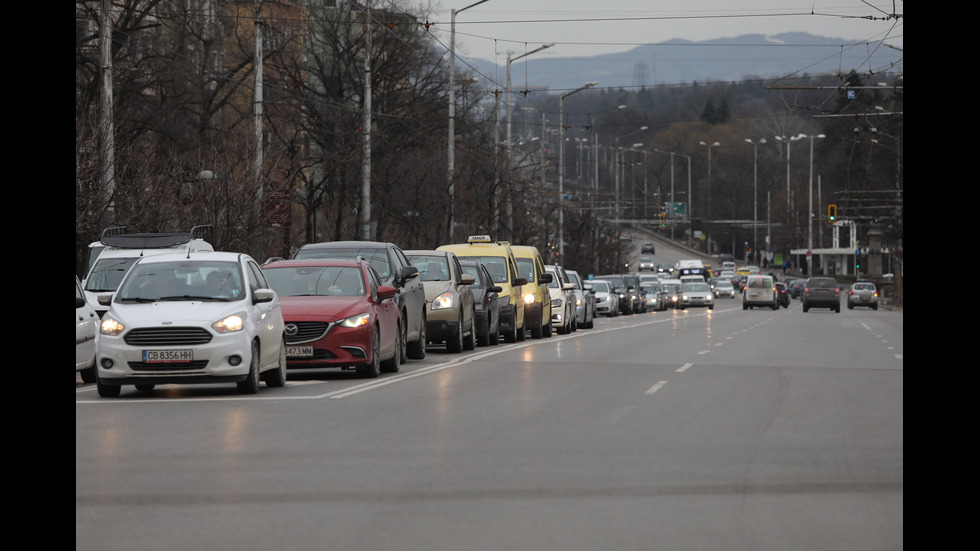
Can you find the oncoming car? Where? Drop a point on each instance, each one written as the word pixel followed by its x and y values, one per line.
pixel 337 314
pixel 694 294
pixel 189 318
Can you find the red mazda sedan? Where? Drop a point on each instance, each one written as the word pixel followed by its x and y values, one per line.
pixel 338 314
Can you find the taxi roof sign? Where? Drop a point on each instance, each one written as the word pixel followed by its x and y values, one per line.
pixel 479 239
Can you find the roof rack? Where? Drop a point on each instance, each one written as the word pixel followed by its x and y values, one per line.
pixel 114 237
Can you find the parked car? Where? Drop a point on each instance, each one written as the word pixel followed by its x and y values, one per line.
pixel 821 292
pixel 191 318
pixel 395 270
pixel 697 294
pixel 606 298
pixel 485 302
pixel 724 288
pixel 760 290
pixel 782 294
pixel 648 248
pixel 338 314
pixel 622 289
pixel 584 301
pixel 654 295
pixel 86 326
pixel 500 262
pixel 450 310
pixel 862 293
pixel 636 294
pixel 562 300
pixel 537 299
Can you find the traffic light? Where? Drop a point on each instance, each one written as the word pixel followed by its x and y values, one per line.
pixel 832 213
pixel 663 220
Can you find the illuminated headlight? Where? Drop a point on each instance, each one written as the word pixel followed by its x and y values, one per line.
pixel 111 327
pixel 443 301
pixel 231 324
pixel 556 303
pixel 359 320
pixel 578 302
pixel 478 306
pixel 529 299
pixel 685 297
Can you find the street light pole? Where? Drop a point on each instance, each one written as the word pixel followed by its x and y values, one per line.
pixel 755 192
pixel 809 256
pixel 561 167
pixel 451 161
pixel 709 146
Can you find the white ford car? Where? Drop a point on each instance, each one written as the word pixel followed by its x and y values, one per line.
pixel 186 318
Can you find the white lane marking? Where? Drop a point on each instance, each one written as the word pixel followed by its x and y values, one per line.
pixel 656 387
pixel 684 367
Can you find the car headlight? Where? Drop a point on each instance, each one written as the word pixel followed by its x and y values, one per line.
pixel 529 298
pixel 231 324
pixel 556 303
pixel 578 302
pixel 359 320
pixel 111 327
pixel 443 301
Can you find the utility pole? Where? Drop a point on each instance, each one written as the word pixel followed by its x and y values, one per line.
pixel 364 215
pixel 107 128
pixel 257 110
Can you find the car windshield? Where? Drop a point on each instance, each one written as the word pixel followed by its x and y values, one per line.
pixel 183 280
pixel 600 286
pixel 697 288
pixel 108 273
pixel 377 256
pixel 525 267
pixel 302 281
pixel 431 267
pixel 496 265
pixel 724 283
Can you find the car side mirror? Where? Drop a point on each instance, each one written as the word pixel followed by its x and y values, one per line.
pixel 386 291
pixel 263 295
pixel 467 279
pixel 497 289
pixel 545 278
pixel 408 272
pixel 518 281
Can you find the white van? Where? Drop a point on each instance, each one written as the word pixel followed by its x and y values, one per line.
pixel 759 290
pixel 119 251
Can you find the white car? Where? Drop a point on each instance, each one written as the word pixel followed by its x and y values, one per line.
pixel 606 300
pixel 562 300
pixel 697 294
pixel 86 325
pixel 190 318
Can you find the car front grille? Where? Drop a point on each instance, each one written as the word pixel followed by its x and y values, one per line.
pixel 168 336
pixel 305 331
pixel 196 365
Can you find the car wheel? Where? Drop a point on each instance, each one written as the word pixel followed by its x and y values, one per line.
pixel 806 308
pixel 874 306
pixel 511 336
pixel 547 330
pixel 521 334
pixel 837 309
pixel 107 390
pixel 455 342
pixel 483 339
pixel 373 368
pixel 391 365
pixel 469 341
pixel 251 383
pixel 416 350
pixel 277 377
pixel 850 306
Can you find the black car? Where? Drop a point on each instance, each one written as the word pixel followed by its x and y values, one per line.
pixel 636 293
pixel 648 248
pixel 821 292
pixel 395 270
pixel 782 295
pixel 485 299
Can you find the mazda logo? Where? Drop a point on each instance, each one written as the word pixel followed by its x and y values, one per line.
pixel 291 329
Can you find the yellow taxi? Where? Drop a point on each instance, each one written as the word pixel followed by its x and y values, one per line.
pixel 537 299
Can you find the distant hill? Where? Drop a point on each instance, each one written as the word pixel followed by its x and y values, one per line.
pixel 682 61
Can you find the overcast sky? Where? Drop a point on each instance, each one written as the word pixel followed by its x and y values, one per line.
pixel 495 28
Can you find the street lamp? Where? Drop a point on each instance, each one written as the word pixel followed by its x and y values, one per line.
pixel 561 167
pixel 452 115
pixel 755 193
pixel 709 146
pixel 618 165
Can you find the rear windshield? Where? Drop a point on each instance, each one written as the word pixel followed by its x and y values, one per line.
pixel 821 282
pixel 760 283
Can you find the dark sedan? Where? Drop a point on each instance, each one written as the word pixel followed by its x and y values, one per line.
pixel 485 299
pixel 782 295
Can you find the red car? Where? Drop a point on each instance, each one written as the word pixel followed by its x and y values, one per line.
pixel 338 314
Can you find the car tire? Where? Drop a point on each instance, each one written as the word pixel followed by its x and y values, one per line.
pixel 455 342
pixel 874 306
pixel 416 349
pixel 850 306
pixel 373 369
pixel 806 308
pixel 546 330
pixel 521 334
pixel 538 332
pixel 391 365
pixel 511 336
pixel 107 390
pixel 88 374
pixel 483 339
pixel 745 306
pixel 837 309
pixel 469 341
pixel 251 383
pixel 277 377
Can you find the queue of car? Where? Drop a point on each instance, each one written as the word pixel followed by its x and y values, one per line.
pixel 181 313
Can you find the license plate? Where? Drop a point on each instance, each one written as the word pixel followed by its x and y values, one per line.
pixel 169 356
pixel 299 351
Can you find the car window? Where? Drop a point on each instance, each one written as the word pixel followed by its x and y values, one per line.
pixel 108 273
pixel 378 257
pixel 316 281
pixel 821 282
pixel 183 280
pixel 525 267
